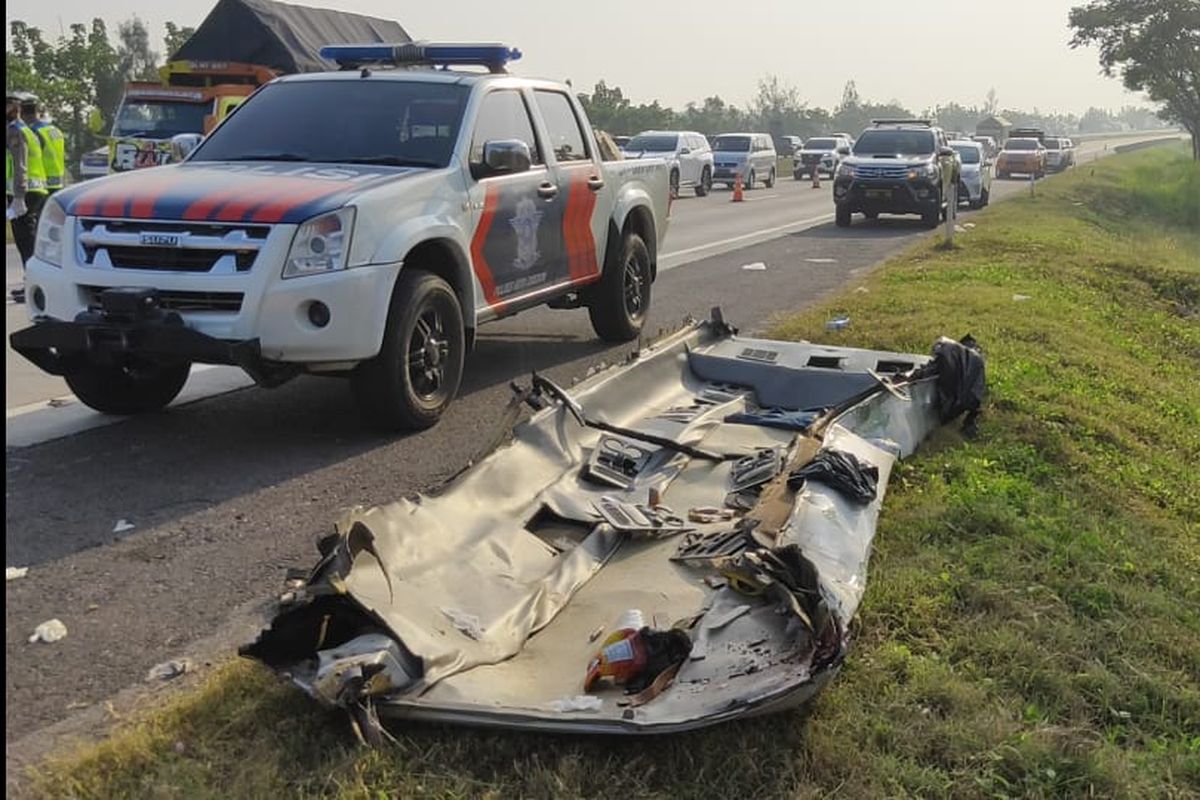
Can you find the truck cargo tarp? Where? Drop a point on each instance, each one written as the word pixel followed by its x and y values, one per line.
pixel 284 37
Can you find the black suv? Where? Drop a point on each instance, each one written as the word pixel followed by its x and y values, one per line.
pixel 896 167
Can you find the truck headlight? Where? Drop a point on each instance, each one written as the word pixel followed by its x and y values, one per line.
pixel 926 171
pixel 50 232
pixel 322 244
pixel 846 171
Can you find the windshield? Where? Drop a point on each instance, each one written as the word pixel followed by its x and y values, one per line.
pixel 820 144
pixel 969 155
pixel 731 144
pixel 891 143
pixel 1021 144
pixel 159 119
pixel 655 143
pixel 1052 144
pixel 343 122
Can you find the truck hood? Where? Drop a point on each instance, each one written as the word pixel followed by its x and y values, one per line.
pixel 887 161
pixel 227 191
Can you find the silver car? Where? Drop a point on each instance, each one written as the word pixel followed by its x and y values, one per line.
pixel 94 164
pixel 975 175
pixel 748 155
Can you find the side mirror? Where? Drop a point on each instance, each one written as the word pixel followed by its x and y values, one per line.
pixel 505 157
pixel 182 145
pixel 683 151
pixel 843 151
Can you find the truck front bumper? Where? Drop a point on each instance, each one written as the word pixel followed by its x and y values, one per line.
pixel 887 197
pixel 129 326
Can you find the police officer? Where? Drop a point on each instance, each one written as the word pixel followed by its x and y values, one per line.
pixel 54 144
pixel 27 188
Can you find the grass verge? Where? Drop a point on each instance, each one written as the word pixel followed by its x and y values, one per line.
pixel 1032 625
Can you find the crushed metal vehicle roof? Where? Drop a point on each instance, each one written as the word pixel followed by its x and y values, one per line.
pixel 722 486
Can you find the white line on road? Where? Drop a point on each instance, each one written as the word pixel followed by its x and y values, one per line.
pixel 724 245
pixel 45 420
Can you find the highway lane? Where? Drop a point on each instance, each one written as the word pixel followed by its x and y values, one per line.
pixel 225 493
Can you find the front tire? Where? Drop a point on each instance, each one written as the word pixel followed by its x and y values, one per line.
pixel 621 300
pixel 842 217
pixel 749 181
pixel 770 182
pixel 135 388
pixel 419 368
pixel 705 184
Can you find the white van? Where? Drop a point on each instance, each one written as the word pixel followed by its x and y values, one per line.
pixel 750 155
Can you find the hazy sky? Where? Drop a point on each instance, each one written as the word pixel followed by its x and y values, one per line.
pixel 689 49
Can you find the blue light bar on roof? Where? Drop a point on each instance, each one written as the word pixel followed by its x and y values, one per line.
pixel 490 55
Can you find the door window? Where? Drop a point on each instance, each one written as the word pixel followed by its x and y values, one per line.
pixel 566 135
pixel 503 115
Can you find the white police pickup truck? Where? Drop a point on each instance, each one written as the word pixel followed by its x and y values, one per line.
pixel 362 222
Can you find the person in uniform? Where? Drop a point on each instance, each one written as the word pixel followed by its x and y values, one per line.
pixel 54 144
pixel 26 179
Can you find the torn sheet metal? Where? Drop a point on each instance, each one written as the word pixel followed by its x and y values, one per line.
pixel 482 604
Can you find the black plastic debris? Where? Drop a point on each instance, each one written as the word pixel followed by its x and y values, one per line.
pixel 961 380
pixel 841 470
pixel 776 418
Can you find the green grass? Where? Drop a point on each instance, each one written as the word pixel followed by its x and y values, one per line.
pixel 1032 622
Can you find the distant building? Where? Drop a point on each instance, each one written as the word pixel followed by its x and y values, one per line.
pixel 994 126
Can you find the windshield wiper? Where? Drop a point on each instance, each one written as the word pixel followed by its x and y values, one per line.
pixel 391 161
pixel 268 157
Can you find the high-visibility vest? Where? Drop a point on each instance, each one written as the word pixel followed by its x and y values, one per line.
pixel 54 153
pixel 35 170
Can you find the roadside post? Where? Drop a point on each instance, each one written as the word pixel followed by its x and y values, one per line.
pixel 951 214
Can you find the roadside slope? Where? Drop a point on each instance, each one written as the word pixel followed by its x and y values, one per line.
pixel 1032 623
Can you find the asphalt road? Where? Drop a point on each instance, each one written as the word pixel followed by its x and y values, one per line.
pixel 225 493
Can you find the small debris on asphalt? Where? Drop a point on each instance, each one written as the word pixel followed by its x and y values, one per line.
pixel 49 631
pixel 75 705
pixel 861 290
pixel 122 526
pixel 12 573
pixel 1020 298
pixel 821 260
pixel 968 224
pixel 170 669
pixel 837 324
pixel 594 635
pixel 757 266
pixel 58 402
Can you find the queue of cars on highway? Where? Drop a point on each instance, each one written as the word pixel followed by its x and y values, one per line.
pixel 898 166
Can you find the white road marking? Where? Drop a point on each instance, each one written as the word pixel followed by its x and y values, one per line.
pixel 724 245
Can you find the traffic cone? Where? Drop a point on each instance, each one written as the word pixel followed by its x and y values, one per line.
pixel 737 190
pixel 816 184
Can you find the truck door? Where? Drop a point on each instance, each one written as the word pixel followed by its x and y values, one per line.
pixel 580 180
pixel 517 247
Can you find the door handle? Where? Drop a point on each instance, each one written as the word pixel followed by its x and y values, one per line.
pixel 595 183
pixel 548 191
